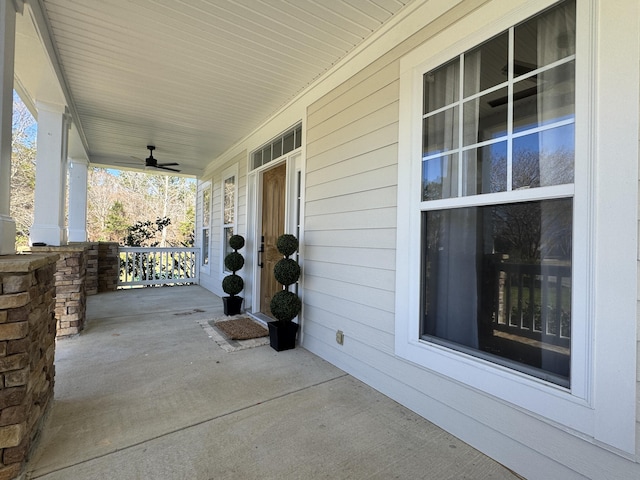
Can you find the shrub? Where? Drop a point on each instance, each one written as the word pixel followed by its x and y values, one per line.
pixel 285 305
pixel 232 284
pixel 287 271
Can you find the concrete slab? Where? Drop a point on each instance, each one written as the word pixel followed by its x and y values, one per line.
pixel 145 393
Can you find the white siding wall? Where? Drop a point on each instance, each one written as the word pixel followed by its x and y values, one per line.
pixel 350 217
pixel 213 280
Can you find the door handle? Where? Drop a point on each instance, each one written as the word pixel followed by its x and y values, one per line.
pixel 260 252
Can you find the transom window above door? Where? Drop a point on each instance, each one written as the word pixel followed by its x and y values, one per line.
pixel 283 144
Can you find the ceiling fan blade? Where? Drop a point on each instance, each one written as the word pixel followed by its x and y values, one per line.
pixel 167 164
pixel 167 168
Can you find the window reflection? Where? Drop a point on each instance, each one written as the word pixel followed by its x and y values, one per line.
pixel 441 86
pixel 440 132
pixel 440 177
pixel 545 39
pixel 487 65
pixel 485 169
pixel 544 158
pixel 498 283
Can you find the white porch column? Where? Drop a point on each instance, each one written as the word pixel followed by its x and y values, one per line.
pixel 51 175
pixel 78 200
pixel 7 54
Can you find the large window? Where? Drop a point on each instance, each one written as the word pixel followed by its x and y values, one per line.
pixel 206 224
pixel 498 148
pixel 229 210
pixel 516 260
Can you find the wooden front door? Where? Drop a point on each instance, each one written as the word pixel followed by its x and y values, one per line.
pixel 274 183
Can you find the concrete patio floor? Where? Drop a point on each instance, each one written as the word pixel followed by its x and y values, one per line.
pixel 145 393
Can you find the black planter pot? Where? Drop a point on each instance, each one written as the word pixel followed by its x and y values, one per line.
pixel 232 305
pixel 282 335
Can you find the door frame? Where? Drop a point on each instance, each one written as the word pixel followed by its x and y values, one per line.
pixel 294 205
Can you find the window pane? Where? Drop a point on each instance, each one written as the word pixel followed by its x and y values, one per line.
pixel 277 148
pixel 228 233
pixel 487 65
pixel 229 200
pixel 205 246
pixel 545 39
pixel 440 132
pixel 442 86
pixel 544 158
pixel 298 137
pixel 257 159
pixel 484 169
pixel 440 177
pixel 287 143
pixel 497 284
pixel 485 117
pixel 206 207
pixel 266 155
pixel 545 98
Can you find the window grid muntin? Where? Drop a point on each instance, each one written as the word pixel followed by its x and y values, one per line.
pixel 283 144
pixel 510 135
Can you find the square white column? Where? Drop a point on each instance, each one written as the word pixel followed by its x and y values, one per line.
pixel 51 175
pixel 7 55
pixel 78 200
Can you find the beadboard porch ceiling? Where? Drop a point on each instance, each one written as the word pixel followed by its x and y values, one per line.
pixel 191 77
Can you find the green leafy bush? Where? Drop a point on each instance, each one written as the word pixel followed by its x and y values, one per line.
pixel 232 284
pixel 285 305
pixel 287 271
pixel 287 244
pixel 234 261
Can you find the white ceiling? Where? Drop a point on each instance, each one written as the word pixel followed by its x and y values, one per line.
pixel 191 77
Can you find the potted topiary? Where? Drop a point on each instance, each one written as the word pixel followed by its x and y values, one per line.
pixel 233 284
pixel 285 305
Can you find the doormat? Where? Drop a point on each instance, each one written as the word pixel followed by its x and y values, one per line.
pixel 223 341
pixel 243 328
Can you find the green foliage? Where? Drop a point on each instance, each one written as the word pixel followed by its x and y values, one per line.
pixel 236 242
pixel 141 232
pixel 186 228
pixel 285 305
pixel 116 222
pixel 232 284
pixel 287 244
pixel 234 261
pixel 287 271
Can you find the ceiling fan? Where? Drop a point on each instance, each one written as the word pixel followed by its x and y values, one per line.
pixel 151 162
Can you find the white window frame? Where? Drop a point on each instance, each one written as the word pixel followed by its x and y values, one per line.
pixel 231 172
pixel 594 406
pixel 205 224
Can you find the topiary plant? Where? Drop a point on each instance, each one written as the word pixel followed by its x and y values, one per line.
pixel 286 305
pixel 233 284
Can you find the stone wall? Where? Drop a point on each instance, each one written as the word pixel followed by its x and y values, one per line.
pixel 108 266
pixel 27 347
pixel 91 276
pixel 71 296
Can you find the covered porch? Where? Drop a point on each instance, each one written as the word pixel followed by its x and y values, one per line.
pixel 145 392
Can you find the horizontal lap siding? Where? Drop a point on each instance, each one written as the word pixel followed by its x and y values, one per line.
pixel 350 213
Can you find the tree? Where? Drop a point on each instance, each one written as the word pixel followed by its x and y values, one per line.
pixel 116 223
pixel 144 198
pixel 23 170
pixel 140 233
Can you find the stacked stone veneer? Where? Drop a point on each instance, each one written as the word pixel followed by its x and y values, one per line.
pixel 27 347
pixel 91 273
pixel 71 295
pixel 108 266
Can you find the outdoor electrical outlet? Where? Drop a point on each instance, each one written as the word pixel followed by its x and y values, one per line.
pixel 340 337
